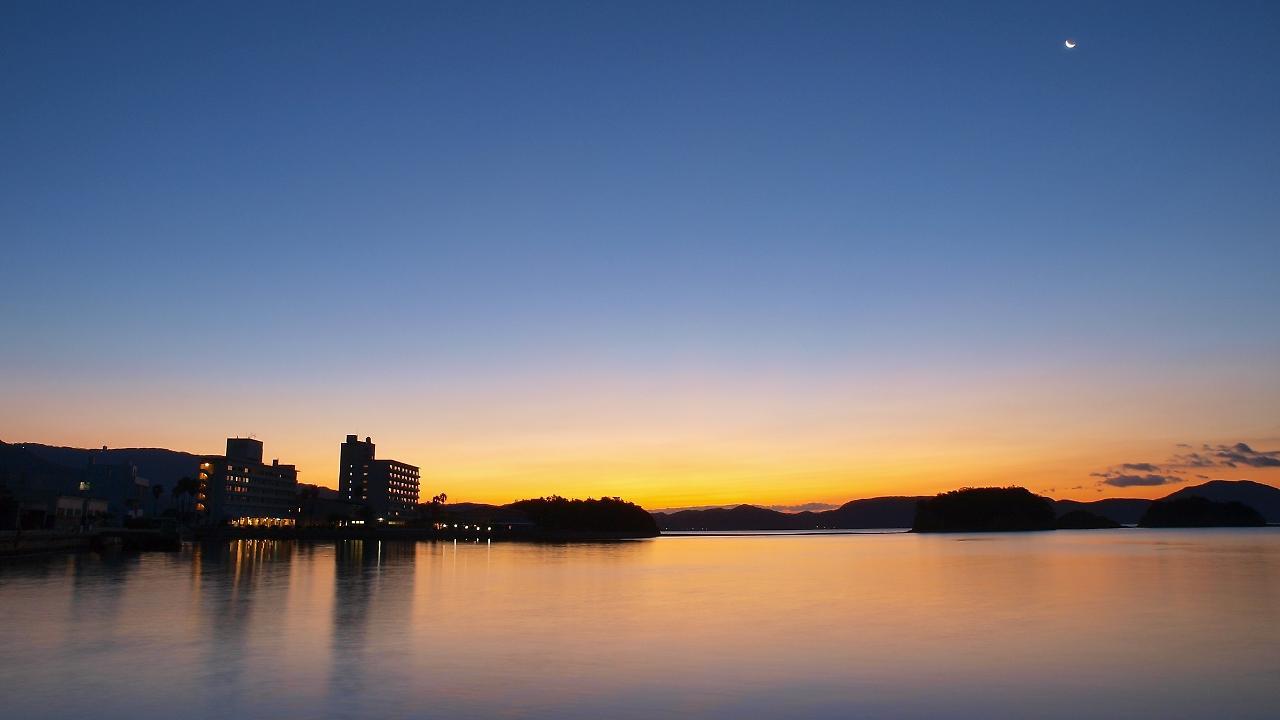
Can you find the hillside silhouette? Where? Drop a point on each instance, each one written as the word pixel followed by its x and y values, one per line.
pixel 880 512
pixel 899 511
pixel 1265 499
pixel 158 466
pixel 22 469
pixel 1195 511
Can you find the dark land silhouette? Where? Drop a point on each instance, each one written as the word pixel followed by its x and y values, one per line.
pixel 1195 511
pixel 158 465
pixel 880 512
pixel 1123 511
pixel 18 464
pixel 899 512
pixel 557 515
pixel 1084 520
pixel 1011 509
pixel 1263 498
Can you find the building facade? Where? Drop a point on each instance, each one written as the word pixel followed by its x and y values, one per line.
pixel 127 495
pixel 240 489
pixel 388 487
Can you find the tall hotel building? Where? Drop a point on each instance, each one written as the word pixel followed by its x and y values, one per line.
pixel 239 489
pixel 388 487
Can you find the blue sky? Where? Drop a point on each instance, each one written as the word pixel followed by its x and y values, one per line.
pixel 210 195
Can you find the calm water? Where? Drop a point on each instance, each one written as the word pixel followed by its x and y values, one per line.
pixel 1127 623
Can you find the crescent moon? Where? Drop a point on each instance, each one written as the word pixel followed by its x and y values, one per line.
pixel 1070 44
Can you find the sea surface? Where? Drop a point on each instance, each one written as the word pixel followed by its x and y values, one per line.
pixel 1111 624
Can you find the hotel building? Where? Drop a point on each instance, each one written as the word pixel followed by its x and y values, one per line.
pixel 239 489
pixel 388 487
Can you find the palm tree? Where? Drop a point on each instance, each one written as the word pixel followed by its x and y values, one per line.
pixel 436 503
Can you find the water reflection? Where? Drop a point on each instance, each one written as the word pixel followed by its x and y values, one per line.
pixel 1113 623
pixel 371 618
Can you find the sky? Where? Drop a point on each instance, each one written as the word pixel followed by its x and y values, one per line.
pixel 686 253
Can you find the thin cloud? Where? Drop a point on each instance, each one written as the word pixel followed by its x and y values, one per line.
pixel 1141 467
pixel 1141 480
pixel 1192 460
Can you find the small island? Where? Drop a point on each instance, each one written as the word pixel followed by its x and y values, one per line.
pixel 1198 512
pixel 990 509
pixel 1085 520
pixel 608 517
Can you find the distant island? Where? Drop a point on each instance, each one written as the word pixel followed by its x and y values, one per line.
pixel 1018 509
pixel 1011 509
pixel 880 512
pixel 900 511
pixel 567 519
pixel 1084 520
pixel 1194 511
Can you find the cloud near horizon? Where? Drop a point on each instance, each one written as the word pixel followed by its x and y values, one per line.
pixel 1141 467
pixel 1120 480
pixel 1145 474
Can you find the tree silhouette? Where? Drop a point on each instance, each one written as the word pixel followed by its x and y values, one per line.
pixel 608 514
pixel 185 486
pixel 434 506
pixel 984 510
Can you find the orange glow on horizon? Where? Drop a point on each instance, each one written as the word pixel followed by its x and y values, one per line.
pixel 706 438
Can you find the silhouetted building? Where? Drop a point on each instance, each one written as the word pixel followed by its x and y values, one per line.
pixel 127 494
pixel 388 487
pixel 239 489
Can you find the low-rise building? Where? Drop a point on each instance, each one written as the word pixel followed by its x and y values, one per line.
pixel 78 512
pixel 127 494
pixel 240 489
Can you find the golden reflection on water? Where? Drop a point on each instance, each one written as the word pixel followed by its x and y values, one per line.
pixel 1112 623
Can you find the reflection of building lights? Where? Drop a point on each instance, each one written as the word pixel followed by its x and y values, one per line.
pixel 262 522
